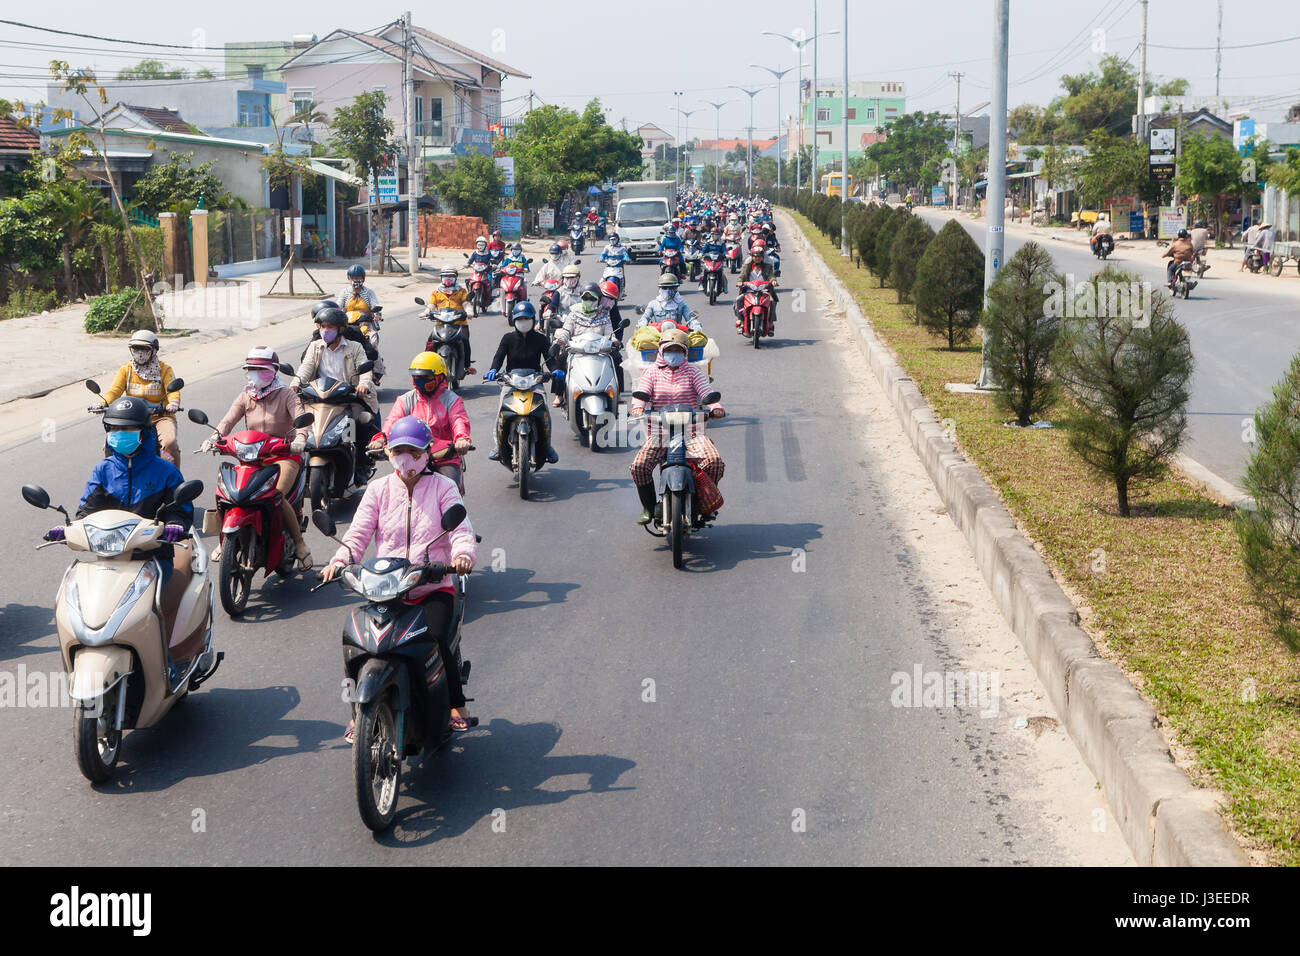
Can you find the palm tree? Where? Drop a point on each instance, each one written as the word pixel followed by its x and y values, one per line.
pixel 75 207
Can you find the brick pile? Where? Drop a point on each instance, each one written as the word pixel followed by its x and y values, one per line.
pixel 454 232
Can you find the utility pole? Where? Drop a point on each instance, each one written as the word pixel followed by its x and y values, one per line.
pixel 844 145
pixel 956 132
pixel 717 145
pixel 1218 52
pixel 997 190
pixel 1142 77
pixel 413 161
pixel 530 101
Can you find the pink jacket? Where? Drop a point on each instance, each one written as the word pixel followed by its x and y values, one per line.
pixel 444 413
pixel 403 523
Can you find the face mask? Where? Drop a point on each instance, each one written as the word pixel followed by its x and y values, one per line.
pixel 428 385
pixel 448 282
pixel 124 443
pixel 141 356
pixel 674 358
pixel 259 379
pixel 408 465
pixel 571 283
pixel 329 335
pixel 525 325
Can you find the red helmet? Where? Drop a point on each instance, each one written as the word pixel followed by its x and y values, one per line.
pixel 758 246
pixel 610 288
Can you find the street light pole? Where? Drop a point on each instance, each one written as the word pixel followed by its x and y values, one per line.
pixel 844 145
pixel 677 142
pixel 717 145
pixel 778 74
pixel 749 155
pixel 997 190
pixel 687 114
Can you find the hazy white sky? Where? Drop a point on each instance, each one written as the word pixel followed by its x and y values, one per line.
pixel 634 54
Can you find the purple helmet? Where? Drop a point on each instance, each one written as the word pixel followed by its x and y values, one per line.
pixel 412 432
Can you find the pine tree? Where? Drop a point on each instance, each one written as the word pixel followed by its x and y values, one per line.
pixel 890 222
pixel 1021 332
pixel 949 286
pixel 1270 534
pixel 865 236
pixel 1129 380
pixel 905 254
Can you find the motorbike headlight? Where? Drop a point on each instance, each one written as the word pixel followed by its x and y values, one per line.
pixel 247 451
pixel 109 541
pixel 381 587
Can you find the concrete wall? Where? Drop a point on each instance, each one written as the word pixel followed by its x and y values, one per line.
pixel 202 103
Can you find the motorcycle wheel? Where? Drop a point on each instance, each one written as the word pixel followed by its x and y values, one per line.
pixel 318 488
pixel 713 293
pixel 233 582
pixel 1275 267
pixel 677 528
pixel 376 765
pixel 523 462
pixel 592 441
pixel 756 330
pixel 1187 290
pixel 96 743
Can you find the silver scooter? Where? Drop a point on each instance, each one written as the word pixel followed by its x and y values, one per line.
pixel 591 385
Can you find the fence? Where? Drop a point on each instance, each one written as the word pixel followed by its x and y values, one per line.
pixel 242 235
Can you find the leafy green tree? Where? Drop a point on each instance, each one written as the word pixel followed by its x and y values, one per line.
pixel 177 181
pixel 1034 124
pixel 1021 332
pixel 1114 167
pixel 909 245
pixel 1270 532
pixel 74 206
pixel 914 140
pixel 362 133
pixel 1105 100
pixel 1129 380
pixel 472 185
pixel 150 69
pixel 1211 167
pixel 949 285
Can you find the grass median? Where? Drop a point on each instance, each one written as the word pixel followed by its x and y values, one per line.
pixel 1163 593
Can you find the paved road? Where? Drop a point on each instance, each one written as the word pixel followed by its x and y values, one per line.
pixel 1244 335
pixel 772 684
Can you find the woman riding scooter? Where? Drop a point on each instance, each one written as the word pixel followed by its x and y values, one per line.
pixel 402 514
pixel 432 402
pixel 144 376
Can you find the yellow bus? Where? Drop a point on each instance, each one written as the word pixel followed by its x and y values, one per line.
pixel 831 184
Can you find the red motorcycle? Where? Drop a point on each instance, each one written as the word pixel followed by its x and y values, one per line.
pixel 713 282
pixel 550 302
pixel 671 261
pixel 479 284
pixel 513 289
pixel 253 535
pixel 756 309
pixel 733 256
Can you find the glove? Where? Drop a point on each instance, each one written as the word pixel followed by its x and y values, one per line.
pixel 378 442
pixel 558 375
pixel 54 534
pixel 491 375
pixel 172 533
pixel 298 445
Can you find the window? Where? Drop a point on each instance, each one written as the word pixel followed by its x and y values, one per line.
pixel 434 125
pixel 255 71
pixel 823 114
pixel 853 112
pixel 419 116
pixel 301 100
pixel 462 111
pixel 871 113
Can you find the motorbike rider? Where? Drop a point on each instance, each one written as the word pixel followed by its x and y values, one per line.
pixel 615 251
pixel 672 381
pixel 1102 227
pixel 524 348
pixel 669 305
pixel 336 357
pixel 266 405
pixel 350 331
pixel 589 318
pixel 551 268
pixel 402 514
pixel 450 294
pixel 1249 240
pixel 609 294
pixel 755 267
pixel 144 376
pixel 714 244
pixel 1180 250
pixel 433 402
pixel 360 300
pixel 134 478
pixel 570 293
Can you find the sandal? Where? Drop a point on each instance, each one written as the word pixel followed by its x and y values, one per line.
pixel 350 735
pixel 303 553
pixel 557 402
pixel 460 724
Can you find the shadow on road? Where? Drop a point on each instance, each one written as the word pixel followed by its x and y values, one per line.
pixel 31 621
pixel 564 484
pixel 500 592
pixel 724 546
pixel 500 767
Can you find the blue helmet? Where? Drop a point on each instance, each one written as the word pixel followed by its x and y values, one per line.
pixel 524 310
pixel 556 249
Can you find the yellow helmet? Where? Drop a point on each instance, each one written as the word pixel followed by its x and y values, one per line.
pixel 430 363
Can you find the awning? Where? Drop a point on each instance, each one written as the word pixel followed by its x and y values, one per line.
pixel 325 169
pixel 424 203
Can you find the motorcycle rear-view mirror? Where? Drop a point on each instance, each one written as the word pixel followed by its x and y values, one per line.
pixel 465 254
pixel 323 522
pixel 641 396
pixel 187 491
pixel 453 516
pixel 285 368
pixel 303 420
pixel 419 301
pixel 622 323
pixel 197 416
pixel 36 496
pixel 545 260
pixel 175 385
pixel 93 385
pixel 640 310
pixel 712 398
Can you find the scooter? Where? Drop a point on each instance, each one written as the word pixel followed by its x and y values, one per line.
pixel 549 301
pixel 175 385
pixel 691 257
pixel 448 340
pixel 688 499
pixel 132 646
pixel 591 385
pixel 248 517
pixel 670 260
pixel 614 272
pixel 513 289
pixel 733 255
pixel 397 677
pixel 1255 260
pixel 578 237
pixel 479 283
pixel 712 280
pixel 756 310
pixel 523 433
pixel 1183 283
pixel 332 444
pixel 1103 246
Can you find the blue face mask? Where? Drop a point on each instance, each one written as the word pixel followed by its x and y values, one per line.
pixel 674 358
pixel 124 443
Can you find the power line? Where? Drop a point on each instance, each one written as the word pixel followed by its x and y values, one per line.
pixel 91 36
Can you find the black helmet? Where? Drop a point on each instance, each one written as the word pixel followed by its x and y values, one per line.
pixel 127 412
pixel 1184 234
pixel 356 272
pixel 323 304
pixel 524 310
pixel 591 288
pixel 332 316
pixel 1199 224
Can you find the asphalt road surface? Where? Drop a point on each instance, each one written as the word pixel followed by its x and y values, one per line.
pixel 735 712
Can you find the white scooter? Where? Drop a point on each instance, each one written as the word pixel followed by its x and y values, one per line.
pixel 591 386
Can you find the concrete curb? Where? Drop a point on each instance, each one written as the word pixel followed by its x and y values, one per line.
pixel 1166 820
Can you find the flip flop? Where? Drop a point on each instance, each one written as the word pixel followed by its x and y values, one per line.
pixel 460 724
pixel 350 735
pixel 305 562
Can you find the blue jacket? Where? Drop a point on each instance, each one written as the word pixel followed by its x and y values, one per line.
pixel 140 484
pixel 670 241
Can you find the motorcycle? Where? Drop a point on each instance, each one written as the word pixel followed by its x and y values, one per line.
pixel 677 508
pixel 394 666
pixel 448 340
pixel 1255 260
pixel 1200 266
pixel 549 302
pixel 523 433
pixel 133 646
pixel 691 256
pixel 513 289
pixel 368 323
pixel 175 385
pixel 670 260
pixel 711 280
pixel 756 310
pixel 479 283
pixel 248 517
pixel 1182 284
pixel 733 255
pixel 591 385
pixel 1103 246
pixel 614 272
pixel 332 453
pixel 577 237
pixel 495 258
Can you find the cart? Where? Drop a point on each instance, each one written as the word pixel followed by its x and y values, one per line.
pixel 1281 253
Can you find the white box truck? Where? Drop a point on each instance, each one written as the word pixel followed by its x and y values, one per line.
pixel 640 212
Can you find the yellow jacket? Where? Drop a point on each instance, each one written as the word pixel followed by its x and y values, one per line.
pixel 455 299
pixel 128 383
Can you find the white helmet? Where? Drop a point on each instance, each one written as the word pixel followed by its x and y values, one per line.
pixel 481 241
pixel 143 339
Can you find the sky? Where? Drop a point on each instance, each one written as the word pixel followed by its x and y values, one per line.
pixel 635 58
